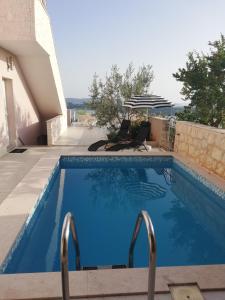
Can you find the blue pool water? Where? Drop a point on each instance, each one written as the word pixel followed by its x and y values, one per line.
pixel 105 195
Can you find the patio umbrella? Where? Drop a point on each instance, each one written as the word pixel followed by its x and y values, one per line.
pixel 147 101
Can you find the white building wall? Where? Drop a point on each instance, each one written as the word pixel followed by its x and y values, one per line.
pixel 16 19
pixel 44 37
pixel 26 115
pixel 25 32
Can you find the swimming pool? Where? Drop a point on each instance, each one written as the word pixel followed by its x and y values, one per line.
pixel 105 195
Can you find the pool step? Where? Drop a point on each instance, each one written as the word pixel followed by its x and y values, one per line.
pixel 88 268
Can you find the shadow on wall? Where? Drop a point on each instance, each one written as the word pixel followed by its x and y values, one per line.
pixel 27 90
pixel 27 132
pixel 4 140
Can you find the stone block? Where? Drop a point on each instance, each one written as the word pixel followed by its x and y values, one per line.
pixel 204 144
pixel 223 159
pixel 214 164
pixel 199 134
pixel 205 134
pixel 197 143
pixel 193 151
pixel 189 139
pixel 182 137
pixel 218 140
pixel 211 138
pixel 187 129
pixel 217 154
pixel 182 147
pixel 220 169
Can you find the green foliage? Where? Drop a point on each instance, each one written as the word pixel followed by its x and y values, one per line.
pixel 188 114
pixel 203 81
pixel 108 96
pixel 81 112
pixel 112 135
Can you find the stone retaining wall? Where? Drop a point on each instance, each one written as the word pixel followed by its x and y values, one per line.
pixel 203 144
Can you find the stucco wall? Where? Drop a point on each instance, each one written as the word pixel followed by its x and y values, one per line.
pixel 16 19
pixel 55 128
pixel 27 120
pixel 159 131
pixel 157 125
pixel 203 144
pixel 25 31
pixel 44 37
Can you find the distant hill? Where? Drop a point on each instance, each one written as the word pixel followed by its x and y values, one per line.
pixel 167 111
pixel 81 103
pixel 77 102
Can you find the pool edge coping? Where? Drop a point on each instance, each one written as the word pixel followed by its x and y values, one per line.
pixel 110 282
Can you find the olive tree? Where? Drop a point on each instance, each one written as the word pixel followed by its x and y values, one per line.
pixel 108 95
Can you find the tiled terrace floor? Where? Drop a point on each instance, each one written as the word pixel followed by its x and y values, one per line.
pixel 13 167
pixel 82 135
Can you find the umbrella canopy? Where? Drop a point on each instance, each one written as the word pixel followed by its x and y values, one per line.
pixel 147 101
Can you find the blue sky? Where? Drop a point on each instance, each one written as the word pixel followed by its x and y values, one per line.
pixel 91 35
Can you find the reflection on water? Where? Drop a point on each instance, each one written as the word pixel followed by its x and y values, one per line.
pixel 167 174
pixel 120 187
pixel 199 221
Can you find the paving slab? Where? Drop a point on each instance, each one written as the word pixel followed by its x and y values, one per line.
pixel 81 136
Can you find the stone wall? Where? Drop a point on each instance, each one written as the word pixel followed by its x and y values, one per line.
pixel 203 144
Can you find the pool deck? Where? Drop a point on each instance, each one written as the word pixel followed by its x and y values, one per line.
pixel 81 136
pixel 23 177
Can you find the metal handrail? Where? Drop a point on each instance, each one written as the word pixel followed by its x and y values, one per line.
pixel 68 225
pixel 143 215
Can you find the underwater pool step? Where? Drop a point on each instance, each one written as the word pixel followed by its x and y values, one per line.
pixel 88 268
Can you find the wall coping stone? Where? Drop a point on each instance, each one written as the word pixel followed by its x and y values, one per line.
pixel 202 126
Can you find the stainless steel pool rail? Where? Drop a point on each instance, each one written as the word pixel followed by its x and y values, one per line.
pixel 143 215
pixel 68 225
